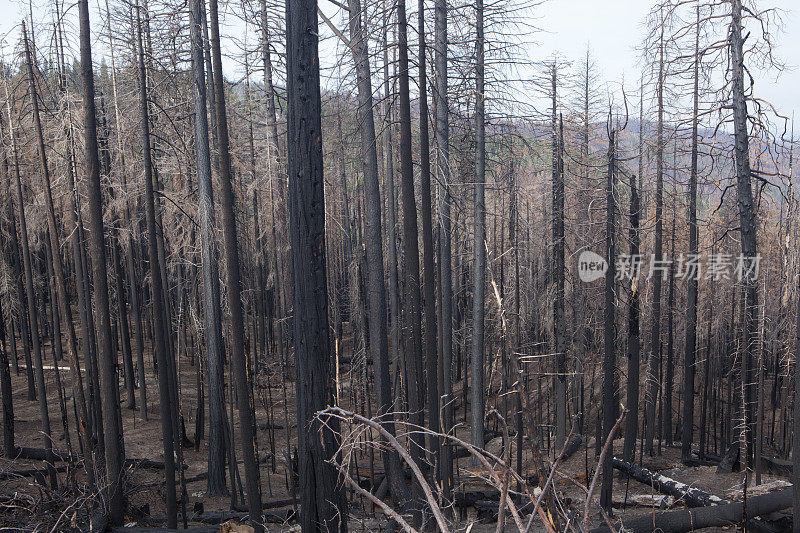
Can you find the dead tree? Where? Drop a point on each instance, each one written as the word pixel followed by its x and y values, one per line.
pixel 321 498
pixel 479 248
pixel 412 319
pixel 29 287
pixel 211 293
pixel 609 332
pixel 109 381
pixel 159 333
pixel 442 138
pixel 238 357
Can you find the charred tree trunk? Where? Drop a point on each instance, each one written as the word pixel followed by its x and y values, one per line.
pixel 634 347
pixel 109 381
pixel 412 304
pixel 376 290
pixel 610 356
pixel 748 221
pixel 211 294
pixel 691 311
pixel 322 499
pixel 654 355
pixel 238 356
pixel 159 342
pixel 559 323
pixel 27 260
pixel 479 265
pixel 445 258
pixel 430 344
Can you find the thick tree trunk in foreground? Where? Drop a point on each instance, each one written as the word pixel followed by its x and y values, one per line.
pixel 445 257
pixel 430 343
pixel 634 344
pixel 691 311
pixel 323 504
pixel 109 381
pixel 748 221
pixel 411 308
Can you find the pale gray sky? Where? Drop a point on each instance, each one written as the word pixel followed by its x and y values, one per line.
pixel 614 29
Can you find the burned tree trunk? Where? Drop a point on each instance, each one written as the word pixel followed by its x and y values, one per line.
pixel 610 355
pixel 211 297
pixel 479 250
pixel 691 311
pixel 159 341
pixel 376 290
pixel 27 260
pixel 322 499
pixel 238 356
pixel 109 380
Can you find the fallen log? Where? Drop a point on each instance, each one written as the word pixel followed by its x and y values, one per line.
pixel 13 474
pixel 40 454
pixel 691 496
pixel 201 529
pixel 716 516
pixel 277 516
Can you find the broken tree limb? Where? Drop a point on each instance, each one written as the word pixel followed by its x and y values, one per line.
pixel 691 496
pixel 714 516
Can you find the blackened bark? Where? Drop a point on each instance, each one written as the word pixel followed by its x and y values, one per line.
pixel 159 342
pixel 376 290
pixel 654 355
pixel 691 311
pixel 27 260
pixel 479 261
pixel 559 322
pixel 430 344
pixel 748 221
pixel 634 344
pixel 323 503
pixel 211 299
pixel 112 429
pixel 238 357
pixel 412 304
pixel 610 356
pixel 445 258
